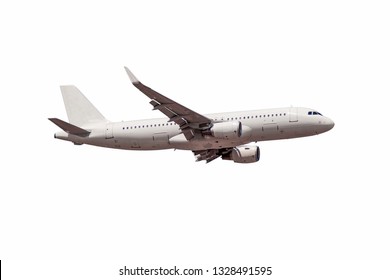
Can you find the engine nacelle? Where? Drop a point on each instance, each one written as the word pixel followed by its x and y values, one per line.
pixel 227 130
pixel 244 154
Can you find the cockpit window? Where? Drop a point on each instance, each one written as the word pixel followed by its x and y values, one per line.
pixel 314 113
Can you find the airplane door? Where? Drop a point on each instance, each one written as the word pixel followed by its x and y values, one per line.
pixel 293 114
pixel 109 131
pixel 270 128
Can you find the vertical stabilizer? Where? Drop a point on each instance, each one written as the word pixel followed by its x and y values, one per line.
pixel 79 109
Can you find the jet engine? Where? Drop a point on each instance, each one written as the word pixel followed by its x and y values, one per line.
pixel 226 130
pixel 243 154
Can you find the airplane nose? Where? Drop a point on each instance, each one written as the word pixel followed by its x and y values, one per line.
pixel 329 124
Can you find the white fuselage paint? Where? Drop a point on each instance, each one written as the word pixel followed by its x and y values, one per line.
pixel 156 134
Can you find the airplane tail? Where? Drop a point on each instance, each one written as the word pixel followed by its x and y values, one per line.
pixel 79 109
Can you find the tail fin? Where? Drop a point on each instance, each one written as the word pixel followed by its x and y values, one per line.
pixel 79 109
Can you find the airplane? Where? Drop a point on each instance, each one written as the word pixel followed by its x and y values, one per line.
pixel 210 136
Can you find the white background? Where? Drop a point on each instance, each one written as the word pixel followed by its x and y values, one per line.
pixel 313 203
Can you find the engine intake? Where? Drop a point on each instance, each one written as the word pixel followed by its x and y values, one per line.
pixel 244 154
pixel 227 130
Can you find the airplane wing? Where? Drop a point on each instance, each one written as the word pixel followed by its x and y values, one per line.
pixel 189 121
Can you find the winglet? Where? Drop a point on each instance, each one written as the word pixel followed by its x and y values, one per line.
pixel 133 79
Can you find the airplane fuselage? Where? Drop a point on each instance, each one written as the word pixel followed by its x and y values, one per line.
pixel 156 134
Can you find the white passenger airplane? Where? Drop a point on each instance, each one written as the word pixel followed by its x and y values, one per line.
pixel 208 136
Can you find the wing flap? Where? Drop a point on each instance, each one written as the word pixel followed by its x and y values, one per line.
pixel 188 133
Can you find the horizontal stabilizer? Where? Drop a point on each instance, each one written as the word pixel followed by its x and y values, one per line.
pixel 70 128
